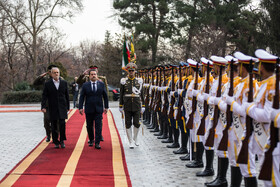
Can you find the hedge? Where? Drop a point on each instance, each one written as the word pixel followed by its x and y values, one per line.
pixel 14 97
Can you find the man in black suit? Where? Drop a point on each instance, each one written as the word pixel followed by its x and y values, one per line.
pixel 56 94
pixel 94 94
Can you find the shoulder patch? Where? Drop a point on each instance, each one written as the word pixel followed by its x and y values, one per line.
pixel 123 80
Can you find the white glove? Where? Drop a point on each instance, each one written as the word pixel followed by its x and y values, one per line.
pixel 216 100
pixel 175 113
pixel 172 93
pixel 229 100
pixel 121 110
pixel 195 92
pixel 180 91
pixel 142 110
pixel 205 96
pixel 189 93
pixel 274 114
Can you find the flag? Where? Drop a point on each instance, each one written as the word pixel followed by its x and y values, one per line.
pixel 133 54
pixel 126 54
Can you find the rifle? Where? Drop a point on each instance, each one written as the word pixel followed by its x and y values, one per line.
pixel 153 91
pixel 171 111
pixel 190 121
pixel 210 139
pixel 165 104
pixel 158 101
pixel 147 89
pixel 156 92
pixel 201 129
pixel 224 141
pixel 243 154
pixel 180 98
pixel 266 169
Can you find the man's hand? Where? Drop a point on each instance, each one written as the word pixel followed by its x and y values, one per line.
pixel 106 110
pixel 44 110
pixel 81 111
pixel 86 72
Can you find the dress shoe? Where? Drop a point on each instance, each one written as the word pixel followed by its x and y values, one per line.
pixel 102 139
pixel 187 157
pixel 164 136
pixel 97 146
pixel 182 150
pixel 90 143
pixel 174 145
pixel 195 164
pixel 56 146
pixel 48 139
pixel 169 140
pixel 62 144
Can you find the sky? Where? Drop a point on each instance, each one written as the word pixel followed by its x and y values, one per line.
pixel 92 23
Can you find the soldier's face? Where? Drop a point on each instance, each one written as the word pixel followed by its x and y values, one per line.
pixel 131 72
pixel 93 76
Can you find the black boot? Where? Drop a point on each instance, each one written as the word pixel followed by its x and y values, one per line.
pixel 221 180
pixel 183 149
pixel 160 126
pixel 236 177
pixel 250 181
pixel 197 163
pixel 188 156
pixel 170 135
pixel 218 173
pixel 163 136
pixel 208 171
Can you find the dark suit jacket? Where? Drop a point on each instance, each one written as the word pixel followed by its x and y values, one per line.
pixel 58 100
pixel 93 101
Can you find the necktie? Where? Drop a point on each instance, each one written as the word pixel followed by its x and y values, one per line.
pixel 93 87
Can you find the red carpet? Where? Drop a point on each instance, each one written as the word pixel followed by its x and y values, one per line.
pixel 77 164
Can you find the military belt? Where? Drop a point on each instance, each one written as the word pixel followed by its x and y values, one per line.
pixel 131 95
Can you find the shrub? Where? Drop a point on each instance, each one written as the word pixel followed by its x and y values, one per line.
pixel 14 97
pixel 22 86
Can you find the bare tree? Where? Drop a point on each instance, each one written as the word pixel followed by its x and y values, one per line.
pixel 32 19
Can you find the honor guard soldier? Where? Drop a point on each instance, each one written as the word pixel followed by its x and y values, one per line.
pixel 214 131
pixel 201 119
pixel 179 108
pixel 131 96
pixel 237 103
pixel 190 105
pixel 260 111
pixel 236 176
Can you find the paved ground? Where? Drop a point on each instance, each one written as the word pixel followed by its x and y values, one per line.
pixel 150 164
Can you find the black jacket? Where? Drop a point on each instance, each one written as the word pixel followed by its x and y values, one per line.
pixel 93 101
pixel 58 100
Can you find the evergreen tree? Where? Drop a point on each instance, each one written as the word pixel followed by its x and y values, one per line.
pixel 150 20
pixel 271 26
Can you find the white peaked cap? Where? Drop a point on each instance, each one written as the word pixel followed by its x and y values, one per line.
pixel 219 60
pixel 264 55
pixel 192 63
pixel 205 61
pixel 244 58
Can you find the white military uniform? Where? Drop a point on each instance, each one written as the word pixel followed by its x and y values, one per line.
pixel 261 111
pixel 239 120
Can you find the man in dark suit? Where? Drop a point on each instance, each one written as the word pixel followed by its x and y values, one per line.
pixel 94 94
pixel 56 94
